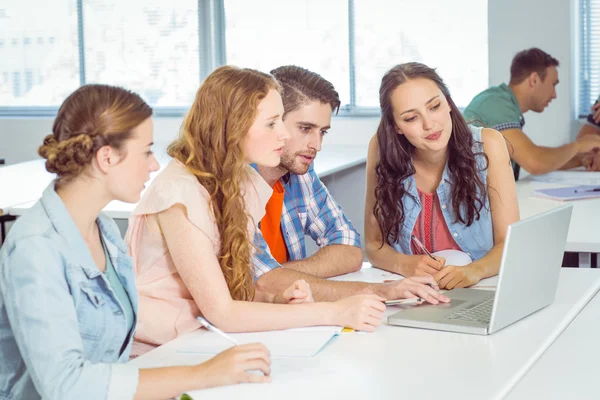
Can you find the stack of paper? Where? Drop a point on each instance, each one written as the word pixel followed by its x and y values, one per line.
pixel 300 342
pixel 569 193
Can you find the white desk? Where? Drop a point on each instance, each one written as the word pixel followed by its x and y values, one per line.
pixel 569 368
pixel 33 176
pixel 397 362
pixel 23 182
pixel 584 231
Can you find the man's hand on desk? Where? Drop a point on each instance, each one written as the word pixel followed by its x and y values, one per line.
pixel 591 161
pixel 298 292
pixel 423 287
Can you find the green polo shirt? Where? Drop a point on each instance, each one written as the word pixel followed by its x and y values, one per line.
pixel 497 107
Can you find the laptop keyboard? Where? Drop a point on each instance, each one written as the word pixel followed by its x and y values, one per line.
pixel 480 312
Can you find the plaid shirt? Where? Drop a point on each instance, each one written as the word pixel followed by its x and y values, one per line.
pixel 308 209
pixel 512 125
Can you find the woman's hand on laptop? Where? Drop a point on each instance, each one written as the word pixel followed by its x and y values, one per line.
pixel 452 277
pixel 424 287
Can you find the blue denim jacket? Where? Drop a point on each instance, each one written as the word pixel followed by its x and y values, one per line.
pixel 475 240
pixel 61 325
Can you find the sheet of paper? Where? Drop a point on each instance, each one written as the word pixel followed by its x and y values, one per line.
pixel 454 257
pixel 301 342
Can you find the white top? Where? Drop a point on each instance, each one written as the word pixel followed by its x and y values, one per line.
pixel 569 369
pixel 21 185
pixel 408 363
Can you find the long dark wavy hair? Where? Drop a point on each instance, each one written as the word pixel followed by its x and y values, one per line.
pixel 396 152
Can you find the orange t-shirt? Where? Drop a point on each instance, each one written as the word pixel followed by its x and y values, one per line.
pixel 270 225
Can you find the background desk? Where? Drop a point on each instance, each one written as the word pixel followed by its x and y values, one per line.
pixel 340 167
pixel 397 362
pixel 584 231
pixel 569 368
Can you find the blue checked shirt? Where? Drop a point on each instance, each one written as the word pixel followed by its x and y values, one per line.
pixel 308 209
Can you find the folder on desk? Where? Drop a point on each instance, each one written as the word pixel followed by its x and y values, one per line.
pixel 300 342
pixel 569 193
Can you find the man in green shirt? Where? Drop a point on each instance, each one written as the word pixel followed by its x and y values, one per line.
pixel 532 86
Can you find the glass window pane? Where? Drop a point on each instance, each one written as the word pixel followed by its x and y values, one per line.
pixel 589 54
pixel 34 73
pixel 265 34
pixel 148 46
pixel 448 35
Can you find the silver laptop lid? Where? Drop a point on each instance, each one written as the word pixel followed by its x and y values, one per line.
pixel 531 262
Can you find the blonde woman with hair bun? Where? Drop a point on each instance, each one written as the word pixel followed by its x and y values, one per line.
pixel 68 300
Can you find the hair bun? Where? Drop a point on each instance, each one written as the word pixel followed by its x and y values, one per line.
pixel 68 157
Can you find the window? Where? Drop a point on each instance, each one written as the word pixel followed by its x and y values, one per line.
pixel 163 49
pixel 148 46
pixel 389 33
pixel 58 65
pixel 316 37
pixel 589 54
pixel 16 84
pixel 28 80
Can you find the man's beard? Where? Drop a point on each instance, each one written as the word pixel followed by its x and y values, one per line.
pixel 288 163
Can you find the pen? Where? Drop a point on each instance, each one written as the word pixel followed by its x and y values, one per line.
pixel 587 190
pixel 204 322
pixel 423 249
pixel 414 300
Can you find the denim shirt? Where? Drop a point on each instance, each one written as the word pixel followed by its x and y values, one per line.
pixel 61 326
pixel 475 240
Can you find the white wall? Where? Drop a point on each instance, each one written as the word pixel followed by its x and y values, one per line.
pixel 20 137
pixel 515 25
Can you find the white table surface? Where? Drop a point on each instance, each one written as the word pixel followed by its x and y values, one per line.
pixel 397 362
pixel 21 185
pixel 584 231
pixel 22 182
pixel 569 368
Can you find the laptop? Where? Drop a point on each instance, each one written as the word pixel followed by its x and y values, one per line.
pixel 528 278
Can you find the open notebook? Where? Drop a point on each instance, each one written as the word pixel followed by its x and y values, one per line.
pixel 299 342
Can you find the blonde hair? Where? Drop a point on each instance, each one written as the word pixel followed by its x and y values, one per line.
pixel 211 146
pixel 91 117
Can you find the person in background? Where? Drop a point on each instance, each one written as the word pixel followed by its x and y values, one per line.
pixel 532 86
